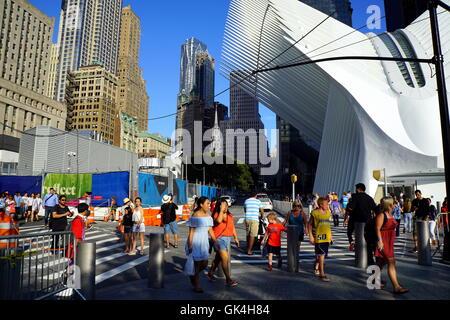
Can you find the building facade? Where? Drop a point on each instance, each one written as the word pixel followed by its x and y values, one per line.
pixel 88 33
pixel 52 71
pixel 126 132
pixel 204 77
pixel 25 45
pixel 25 49
pixel 399 14
pixel 153 146
pixel 299 156
pixel 95 101
pixel 133 98
pixel 342 105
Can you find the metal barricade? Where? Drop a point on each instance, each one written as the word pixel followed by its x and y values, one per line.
pixel 37 266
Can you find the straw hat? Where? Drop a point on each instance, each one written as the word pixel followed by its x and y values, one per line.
pixel 166 198
pixel 126 200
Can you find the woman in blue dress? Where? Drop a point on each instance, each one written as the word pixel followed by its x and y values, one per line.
pixel 200 224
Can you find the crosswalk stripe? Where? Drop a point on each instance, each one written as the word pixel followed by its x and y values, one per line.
pixel 112 257
pixel 241 220
pixel 117 245
pixel 124 267
pixel 107 240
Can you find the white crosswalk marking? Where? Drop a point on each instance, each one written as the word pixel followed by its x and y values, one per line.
pixel 182 222
pixel 241 220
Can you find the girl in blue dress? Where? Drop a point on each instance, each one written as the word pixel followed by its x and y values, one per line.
pixel 197 245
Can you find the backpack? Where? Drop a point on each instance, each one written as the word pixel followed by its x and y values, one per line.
pixel 370 231
pixel 336 208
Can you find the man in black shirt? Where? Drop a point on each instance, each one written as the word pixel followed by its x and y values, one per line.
pixel 58 221
pixel 421 208
pixel 360 210
pixel 169 220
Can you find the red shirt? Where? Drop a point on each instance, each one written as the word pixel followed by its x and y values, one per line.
pixel 78 227
pixel 274 230
pixel 212 206
pixel 226 228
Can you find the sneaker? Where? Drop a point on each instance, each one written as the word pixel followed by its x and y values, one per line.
pixel 269 267
pixel 351 247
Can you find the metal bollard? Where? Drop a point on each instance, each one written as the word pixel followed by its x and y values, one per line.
pixel 156 261
pixel 424 247
pixel 292 248
pixel 360 246
pixel 86 262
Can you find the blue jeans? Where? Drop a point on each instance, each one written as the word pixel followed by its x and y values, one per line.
pixel 48 211
pixel 408 221
pixel 171 227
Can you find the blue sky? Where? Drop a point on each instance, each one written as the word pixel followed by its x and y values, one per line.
pixel 165 27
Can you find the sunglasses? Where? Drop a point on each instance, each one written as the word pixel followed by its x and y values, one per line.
pixel 62 200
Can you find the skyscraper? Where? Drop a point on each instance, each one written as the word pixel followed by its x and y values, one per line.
pixel 133 98
pixel 400 14
pixel 204 77
pixel 298 156
pixel 88 33
pixel 189 51
pixel 244 115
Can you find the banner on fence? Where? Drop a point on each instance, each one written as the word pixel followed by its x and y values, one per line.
pixel 180 192
pixel 107 185
pixel 73 186
pixel 13 184
pixel 152 188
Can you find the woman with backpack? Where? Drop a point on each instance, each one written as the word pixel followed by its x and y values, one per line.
pixel 385 225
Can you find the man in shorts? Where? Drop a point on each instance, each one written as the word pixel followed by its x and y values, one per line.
pixel 253 211
pixel 169 220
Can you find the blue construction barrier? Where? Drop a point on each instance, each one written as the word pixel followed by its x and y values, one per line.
pixel 110 184
pixel 180 192
pixel 152 188
pixel 29 184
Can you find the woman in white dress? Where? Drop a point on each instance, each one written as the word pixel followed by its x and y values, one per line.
pixel 36 206
pixel 138 226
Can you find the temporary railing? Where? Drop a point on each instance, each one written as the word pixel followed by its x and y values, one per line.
pixel 37 266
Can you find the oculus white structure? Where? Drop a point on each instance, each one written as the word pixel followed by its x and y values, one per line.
pixel 363 115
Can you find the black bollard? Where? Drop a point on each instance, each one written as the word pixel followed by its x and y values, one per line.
pixel 156 261
pixel 292 248
pixel 86 262
pixel 424 248
pixel 360 246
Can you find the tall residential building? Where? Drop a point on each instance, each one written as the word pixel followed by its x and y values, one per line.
pixel 244 115
pixel 133 97
pixel 297 155
pixel 204 77
pixel 95 101
pixel 189 51
pixel 196 86
pixel 400 14
pixel 88 33
pixel 25 49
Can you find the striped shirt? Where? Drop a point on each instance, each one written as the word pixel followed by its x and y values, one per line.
pixel 252 208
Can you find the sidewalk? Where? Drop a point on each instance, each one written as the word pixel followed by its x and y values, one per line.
pixel 347 283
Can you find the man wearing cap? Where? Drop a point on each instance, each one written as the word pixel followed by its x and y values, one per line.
pixel 169 220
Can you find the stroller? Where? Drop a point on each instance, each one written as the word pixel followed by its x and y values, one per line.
pixel 263 223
